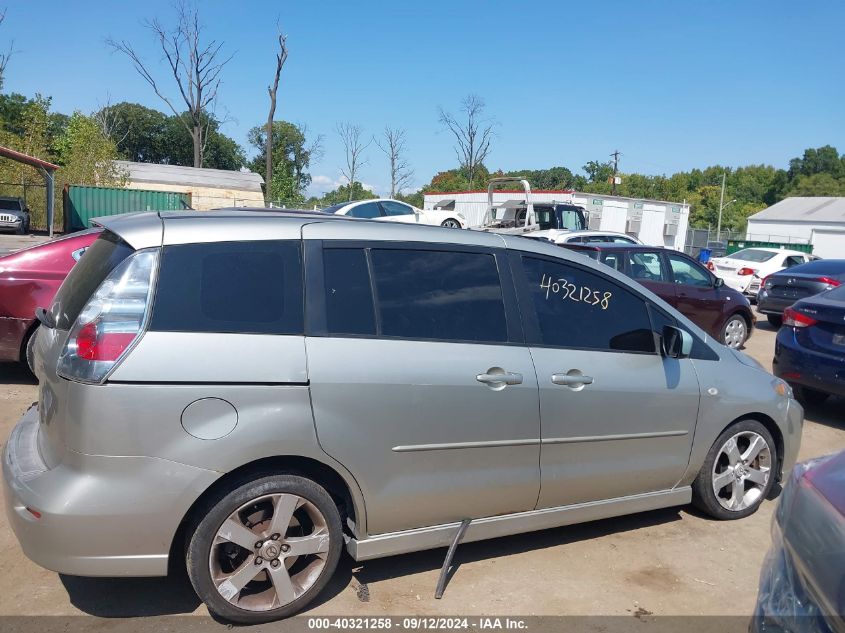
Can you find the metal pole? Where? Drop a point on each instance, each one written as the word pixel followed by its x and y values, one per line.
pixel 721 206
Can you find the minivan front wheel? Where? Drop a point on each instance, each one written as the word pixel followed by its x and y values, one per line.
pixel 265 549
pixel 738 472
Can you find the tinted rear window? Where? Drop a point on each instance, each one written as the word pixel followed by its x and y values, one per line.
pixel 102 257
pixel 752 255
pixel 440 295
pixel 230 287
pixel 349 297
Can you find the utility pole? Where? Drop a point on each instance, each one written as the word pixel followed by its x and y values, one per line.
pixel 615 156
pixel 721 207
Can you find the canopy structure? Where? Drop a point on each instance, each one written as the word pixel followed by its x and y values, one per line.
pixel 44 168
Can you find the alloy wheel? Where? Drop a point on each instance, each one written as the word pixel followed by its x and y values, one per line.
pixel 741 470
pixel 451 224
pixel 269 552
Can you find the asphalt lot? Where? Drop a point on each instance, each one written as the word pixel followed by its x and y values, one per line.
pixel 665 562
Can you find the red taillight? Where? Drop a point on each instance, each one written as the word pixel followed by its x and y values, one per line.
pixel 793 318
pixel 34 513
pixel 764 280
pixel 830 281
pixel 742 272
pixel 91 345
pixel 710 266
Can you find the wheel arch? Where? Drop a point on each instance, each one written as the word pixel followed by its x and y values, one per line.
pixel 317 471
pixel 30 332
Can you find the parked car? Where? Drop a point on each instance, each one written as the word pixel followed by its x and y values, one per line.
pixel 745 269
pixel 543 220
pixel 684 283
pixel 810 346
pixel 780 290
pixel 396 211
pixel 304 383
pixel 587 237
pixel 28 279
pixel 14 215
pixel 801 586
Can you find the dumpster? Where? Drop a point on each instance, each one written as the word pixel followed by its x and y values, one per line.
pixel 738 245
pixel 704 255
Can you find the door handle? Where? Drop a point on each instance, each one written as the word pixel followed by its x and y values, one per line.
pixel 504 378
pixel 572 380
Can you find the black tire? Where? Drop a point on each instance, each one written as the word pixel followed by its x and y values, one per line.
pixel 704 497
pixel 29 350
pixel 208 520
pixel 775 320
pixel 810 397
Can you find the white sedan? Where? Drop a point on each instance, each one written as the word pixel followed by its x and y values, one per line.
pixel 746 269
pixel 396 211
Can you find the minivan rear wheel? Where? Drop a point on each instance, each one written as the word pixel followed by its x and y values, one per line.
pixel 738 472
pixel 264 549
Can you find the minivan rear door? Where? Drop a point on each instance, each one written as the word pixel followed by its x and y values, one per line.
pixel 418 385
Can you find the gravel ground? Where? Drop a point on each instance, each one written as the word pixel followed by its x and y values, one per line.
pixel 664 562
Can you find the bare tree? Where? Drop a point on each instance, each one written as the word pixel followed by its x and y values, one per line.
pixel 354 146
pixel 5 57
pixel 194 65
pixel 107 119
pixel 472 135
pixel 281 58
pixel 311 153
pixel 393 146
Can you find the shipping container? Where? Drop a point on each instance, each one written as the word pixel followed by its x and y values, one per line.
pixel 81 204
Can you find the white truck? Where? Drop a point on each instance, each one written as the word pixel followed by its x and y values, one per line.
pixel 544 220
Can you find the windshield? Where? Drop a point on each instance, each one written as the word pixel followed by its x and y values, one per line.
pixel 10 205
pixel 752 255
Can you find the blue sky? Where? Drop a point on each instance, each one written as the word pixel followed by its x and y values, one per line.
pixel 672 85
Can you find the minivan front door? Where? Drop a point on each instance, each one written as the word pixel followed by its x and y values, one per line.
pixel 416 385
pixel 617 417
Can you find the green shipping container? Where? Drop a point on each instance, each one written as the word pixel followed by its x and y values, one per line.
pixel 738 245
pixel 80 204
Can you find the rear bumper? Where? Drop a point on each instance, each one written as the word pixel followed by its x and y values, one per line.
pixel 800 366
pixel 768 304
pixel 99 516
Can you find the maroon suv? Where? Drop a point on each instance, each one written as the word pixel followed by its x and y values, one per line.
pixel 682 282
pixel 28 280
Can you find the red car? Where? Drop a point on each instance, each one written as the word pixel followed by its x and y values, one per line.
pixel 682 282
pixel 28 280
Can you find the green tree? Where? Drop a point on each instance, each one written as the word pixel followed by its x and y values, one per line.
pixel 344 193
pixel 819 184
pixel 292 155
pixel 86 155
pixel 140 133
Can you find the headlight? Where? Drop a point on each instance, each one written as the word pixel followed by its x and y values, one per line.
pixel 782 388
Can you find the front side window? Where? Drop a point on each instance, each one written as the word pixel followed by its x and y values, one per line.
pixel 396 208
pixel 230 287
pixel 687 273
pixel 647 266
pixel 577 308
pixel 367 210
pixel 440 295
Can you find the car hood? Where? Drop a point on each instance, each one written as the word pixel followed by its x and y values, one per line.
pixel 746 360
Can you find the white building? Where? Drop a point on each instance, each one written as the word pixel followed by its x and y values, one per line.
pixel 655 222
pixel 818 221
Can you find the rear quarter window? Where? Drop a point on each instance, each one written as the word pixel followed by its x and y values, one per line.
pixel 230 287
pixel 102 257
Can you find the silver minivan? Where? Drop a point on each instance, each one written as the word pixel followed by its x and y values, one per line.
pixel 250 392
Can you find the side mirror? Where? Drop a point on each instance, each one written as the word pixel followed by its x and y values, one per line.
pixel 718 282
pixel 676 342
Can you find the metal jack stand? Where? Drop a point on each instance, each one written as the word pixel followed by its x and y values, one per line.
pixel 444 571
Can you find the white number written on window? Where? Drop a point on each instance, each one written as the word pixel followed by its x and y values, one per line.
pixel 568 290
